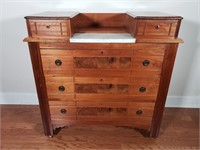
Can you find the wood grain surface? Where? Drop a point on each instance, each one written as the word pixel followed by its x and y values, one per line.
pixel 21 129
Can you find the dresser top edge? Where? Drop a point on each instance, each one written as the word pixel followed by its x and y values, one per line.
pixel 70 14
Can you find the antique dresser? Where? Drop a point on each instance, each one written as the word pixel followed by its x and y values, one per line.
pixel 102 68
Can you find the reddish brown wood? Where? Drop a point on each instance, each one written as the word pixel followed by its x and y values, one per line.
pixel 41 87
pixel 118 84
pixel 167 68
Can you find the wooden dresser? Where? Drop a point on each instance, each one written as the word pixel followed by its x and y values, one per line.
pixel 102 68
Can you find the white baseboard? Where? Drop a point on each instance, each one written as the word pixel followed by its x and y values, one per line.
pixel 183 101
pixel 19 98
pixel 31 99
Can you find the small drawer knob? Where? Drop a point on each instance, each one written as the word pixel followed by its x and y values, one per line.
pixel 101 80
pixel 157 26
pixel 139 112
pixel 63 111
pixel 102 52
pixel 146 62
pixel 142 89
pixel 48 26
pixel 58 62
pixel 111 60
pixel 61 88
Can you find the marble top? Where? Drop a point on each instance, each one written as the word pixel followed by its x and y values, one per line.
pixel 102 38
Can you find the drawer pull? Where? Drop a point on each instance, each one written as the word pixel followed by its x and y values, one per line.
pixel 58 62
pixel 110 86
pixel 111 60
pixel 61 88
pixel 101 80
pixel 102 52
pixel 157 27
pixel 48 26
pixel 146 62
pixel 63 111
pixel 142 89
pixel 139 112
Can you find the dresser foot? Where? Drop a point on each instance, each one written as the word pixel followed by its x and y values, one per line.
pixel 144 132
pixel 50 136
pixel 57 130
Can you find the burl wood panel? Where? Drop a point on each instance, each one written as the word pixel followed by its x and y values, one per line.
pixel 101 111
pixel 102 88
pixel 103 62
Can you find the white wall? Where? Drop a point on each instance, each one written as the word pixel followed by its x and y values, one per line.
pixel 16 77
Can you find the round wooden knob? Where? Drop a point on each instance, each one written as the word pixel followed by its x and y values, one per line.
pixel 48 26
pixel 142 89
pixel 61 88
pixel 58 62
pixel 157 27
pixel 63 111
pixel 146 62
pixel 139 112
pixel 101 80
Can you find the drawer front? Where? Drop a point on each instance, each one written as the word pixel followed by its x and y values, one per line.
pixel 147 63
pixel 57 61
pixel 103 53
pixel 103 62
pixel 101 104
pixel 102 88
pixel 102 72
pixel 141 109
pixel 60 87
pixel 135 89
pixel 160 28
pixel 46 28
pixel 144 89
pixel 103 80
pixel 101 111
pixel 133 114
pixel 62 111
pixel 101 97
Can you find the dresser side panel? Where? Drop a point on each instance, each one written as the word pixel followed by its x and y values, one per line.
pixel 166 73
pixel 41 87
